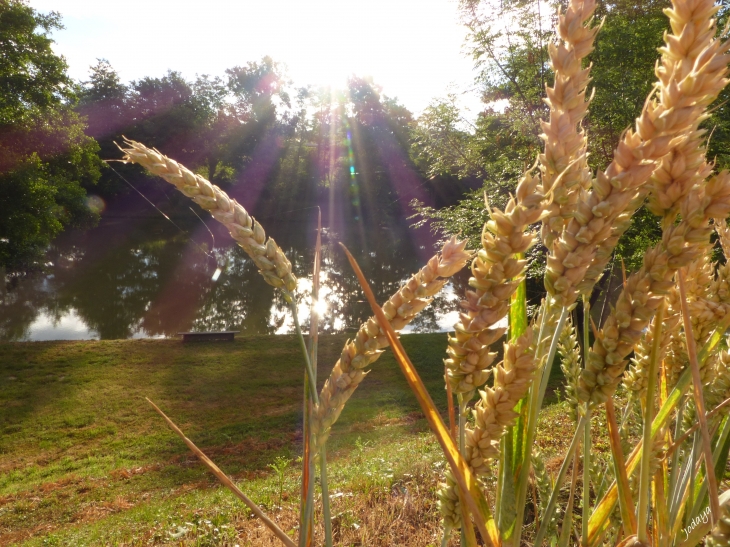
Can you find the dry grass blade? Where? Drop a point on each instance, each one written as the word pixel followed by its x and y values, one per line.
pixel 700 403
pixel 626 503
pixel 307 503
pixel 255 509
pixel 463 475
pixel 692 429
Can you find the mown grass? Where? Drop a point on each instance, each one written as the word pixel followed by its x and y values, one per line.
pixel 84 460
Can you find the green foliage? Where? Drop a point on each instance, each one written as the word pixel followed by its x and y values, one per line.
pixel 623 71
pixel 508 43
pixel 46 161
pixel 30 73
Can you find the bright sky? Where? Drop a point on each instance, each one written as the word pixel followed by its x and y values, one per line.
pixel 413 48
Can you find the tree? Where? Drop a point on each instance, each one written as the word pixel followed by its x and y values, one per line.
pixel 46 160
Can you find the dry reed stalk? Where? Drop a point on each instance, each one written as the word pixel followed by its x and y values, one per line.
pixel 563 164
pixel 266 254
pixel 367 345
pixel 496 273
pixel 691 74
pixel 643 291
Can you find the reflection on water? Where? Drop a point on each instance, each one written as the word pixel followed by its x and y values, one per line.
pixel 142 277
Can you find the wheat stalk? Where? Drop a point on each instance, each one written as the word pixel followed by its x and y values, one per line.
pixel 642 294
pixel 692 73
pixel 265 253
pixel 563 164
pixel 367 345
pixel 496 272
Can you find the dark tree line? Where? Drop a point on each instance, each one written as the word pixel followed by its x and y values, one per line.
pixel 279 149
pixel 271 145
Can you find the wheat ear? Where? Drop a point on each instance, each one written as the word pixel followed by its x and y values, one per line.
pixel 681 244
pixel 493 413
pixel 265 253
pixel 495 410
pixel 705 312
pixel 367 345
pixel 571 365
pixel 635 380
pixel 691 74
pixel 563 164
pixel 496 272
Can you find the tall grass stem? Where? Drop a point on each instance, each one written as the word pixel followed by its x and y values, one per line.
pixel 550 509
pixel 586 501
pixel 644 478
pixel 305 351
pixel 537 394
pixel 226 481
pixel 699 401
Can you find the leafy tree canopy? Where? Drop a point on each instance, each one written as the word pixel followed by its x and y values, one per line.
pixel 46 160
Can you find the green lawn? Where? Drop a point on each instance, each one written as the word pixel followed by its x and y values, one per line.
pixel 84 460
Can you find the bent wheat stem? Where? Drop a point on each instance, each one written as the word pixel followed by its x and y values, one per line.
pixel 225 480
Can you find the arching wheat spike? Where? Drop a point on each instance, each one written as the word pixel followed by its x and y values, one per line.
pixel 265 253
pixel 681 244
pixel 692 72
pixel 563 163
pixel 367 345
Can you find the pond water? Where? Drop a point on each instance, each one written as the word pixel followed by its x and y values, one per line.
pixel 146 276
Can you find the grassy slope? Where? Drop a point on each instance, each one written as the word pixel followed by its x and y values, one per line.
pixel 85 461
